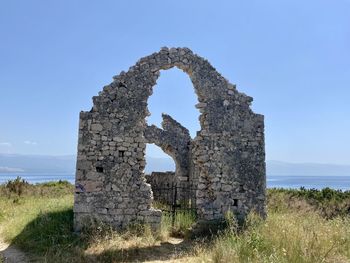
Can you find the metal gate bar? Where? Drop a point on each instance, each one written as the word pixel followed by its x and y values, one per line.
pixel 174 199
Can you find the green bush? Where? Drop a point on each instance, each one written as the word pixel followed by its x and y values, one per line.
pixel 59 183
pixel 16 186
pixel 328 202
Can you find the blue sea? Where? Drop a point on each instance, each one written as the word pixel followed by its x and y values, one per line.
pixel 317 182
pixel 37 178
pixel 283 181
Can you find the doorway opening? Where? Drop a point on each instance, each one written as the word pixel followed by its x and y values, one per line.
pixel 172 123
pixel 175 199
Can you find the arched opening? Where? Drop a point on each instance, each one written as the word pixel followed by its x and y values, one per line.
pixel 174 95
pixel 157 160
pixel 171 125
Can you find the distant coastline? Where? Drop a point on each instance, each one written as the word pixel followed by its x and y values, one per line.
pixel 42 164
pixel 41 168
pixel 273 181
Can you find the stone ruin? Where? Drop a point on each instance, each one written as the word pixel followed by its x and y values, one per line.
pixel 162 184
pixel 175 140
pixel 224 163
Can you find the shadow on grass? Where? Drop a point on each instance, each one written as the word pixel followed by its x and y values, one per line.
pixel 11 254
pixel 50 238
pixel 49 234
pixel 163 251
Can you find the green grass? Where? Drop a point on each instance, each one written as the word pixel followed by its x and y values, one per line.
pixel 183 221
pixel 302 226
pixel 40 222
pixel 39 225
pixel 284 237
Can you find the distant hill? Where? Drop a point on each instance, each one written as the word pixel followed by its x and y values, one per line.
pixel 159 164
pixel 18 163
pixel 272 168
pixel 285 168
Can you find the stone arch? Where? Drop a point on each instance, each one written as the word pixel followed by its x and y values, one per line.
pixel 174 140
pixel 227 155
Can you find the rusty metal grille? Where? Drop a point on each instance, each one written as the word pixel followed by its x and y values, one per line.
pixel 175 199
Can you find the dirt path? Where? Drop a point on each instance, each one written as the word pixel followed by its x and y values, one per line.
pixel 10 254
pixel 174 250
pixel 168 253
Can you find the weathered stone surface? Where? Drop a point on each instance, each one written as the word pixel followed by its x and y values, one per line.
pixel 173 139
pixel 225 162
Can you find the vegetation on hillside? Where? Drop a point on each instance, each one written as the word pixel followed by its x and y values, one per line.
pixel 302 226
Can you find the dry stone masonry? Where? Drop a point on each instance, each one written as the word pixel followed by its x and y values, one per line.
pixel 175 140
pixel 161 182
pixel 224 163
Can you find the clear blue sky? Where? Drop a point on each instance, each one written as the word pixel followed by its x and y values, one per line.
pixel 292 56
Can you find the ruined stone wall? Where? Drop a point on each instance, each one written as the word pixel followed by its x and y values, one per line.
pixel 162 184
pixel 227 156
pixel 175 140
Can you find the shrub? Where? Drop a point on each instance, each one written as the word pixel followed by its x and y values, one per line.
pixel 327 202
pixel 16 186
pixel 59 183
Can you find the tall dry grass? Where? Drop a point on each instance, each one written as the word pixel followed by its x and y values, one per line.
pixel 296 230
pixel 291 237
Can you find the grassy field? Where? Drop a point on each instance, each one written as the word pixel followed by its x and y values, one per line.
pixel 302 226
